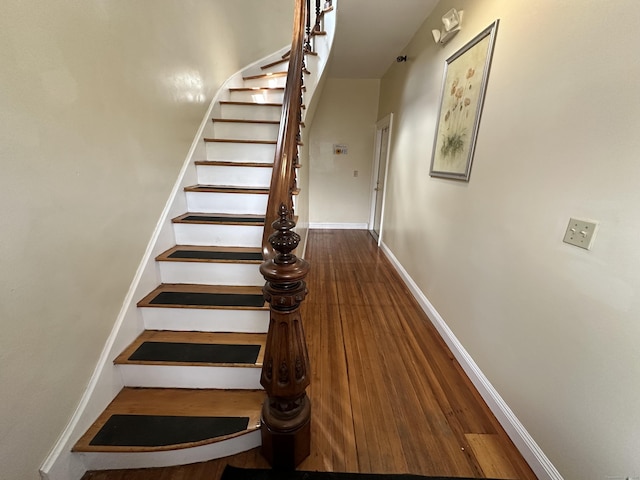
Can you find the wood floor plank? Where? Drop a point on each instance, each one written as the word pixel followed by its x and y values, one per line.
pixel 492 457
pixel 387 395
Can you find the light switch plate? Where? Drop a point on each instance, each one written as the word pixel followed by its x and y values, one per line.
pixel 580 233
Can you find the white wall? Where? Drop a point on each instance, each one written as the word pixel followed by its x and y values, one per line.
pixel 314 83
pixel 99 104
pixel 555 328
pixel 346 115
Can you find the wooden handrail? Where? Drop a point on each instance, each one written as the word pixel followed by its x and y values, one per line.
pixel 286 414
pixel 283 177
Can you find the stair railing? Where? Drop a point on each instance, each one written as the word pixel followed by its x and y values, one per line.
pixel 286 413
pixel 286 155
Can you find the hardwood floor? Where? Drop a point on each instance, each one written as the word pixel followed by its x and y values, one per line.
pixel 387 395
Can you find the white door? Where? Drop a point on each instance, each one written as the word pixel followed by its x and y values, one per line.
pixel 380 161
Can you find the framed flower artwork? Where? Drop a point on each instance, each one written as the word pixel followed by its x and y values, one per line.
pixel 463 89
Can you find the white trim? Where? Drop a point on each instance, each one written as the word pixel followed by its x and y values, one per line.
pixel 338 226
pixel 386 122
pixel 305 241
pixel 527 446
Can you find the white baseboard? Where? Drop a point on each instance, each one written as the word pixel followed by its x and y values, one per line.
pixel 338 226
pixel 527 446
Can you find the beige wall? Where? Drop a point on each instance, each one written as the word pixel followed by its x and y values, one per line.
pixel 555 328
pixel 346 115
pixel 99 103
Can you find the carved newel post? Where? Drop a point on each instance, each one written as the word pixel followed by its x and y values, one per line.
pixel 286 414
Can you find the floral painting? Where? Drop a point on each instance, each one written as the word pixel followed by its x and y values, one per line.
pixel 464 85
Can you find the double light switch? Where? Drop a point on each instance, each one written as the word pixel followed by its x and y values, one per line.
pixel 580 233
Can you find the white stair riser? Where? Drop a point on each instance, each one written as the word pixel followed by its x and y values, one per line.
pixel 234 176
pixel 211 273
pixel 257 96
pixel 232 235
pixel 205 320
pixel 245 131
pixel 270 82
pixel 188 376
pixel 215 202
pixel 183 456
pixel 251 112
pixel 241 152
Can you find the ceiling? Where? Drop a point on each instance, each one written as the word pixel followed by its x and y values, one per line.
pixel 370 34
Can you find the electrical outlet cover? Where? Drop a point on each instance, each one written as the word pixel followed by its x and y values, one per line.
pixel 580 233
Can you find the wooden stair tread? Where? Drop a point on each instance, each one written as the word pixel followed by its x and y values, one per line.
pixel 176 402
pixel 200 339
pixel 240 120
pixel 220 218
pixel 256 89
pixel 219 163
pixel 232 189
pixel 273 64
pixel 236 140
pixel 232 140
pixel 253 104
pixel 187 295
pixel 226 189
pixel 266 75
pixel 211 254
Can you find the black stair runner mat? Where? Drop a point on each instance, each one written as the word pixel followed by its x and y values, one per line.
pixel 216 218
pixel 161 430
pixel 196 352
pixel 205 255
pixel 208 299
pixel 236 473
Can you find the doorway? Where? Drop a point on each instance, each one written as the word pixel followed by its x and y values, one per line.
pixel 379 177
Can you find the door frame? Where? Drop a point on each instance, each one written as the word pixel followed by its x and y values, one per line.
pixel 381 124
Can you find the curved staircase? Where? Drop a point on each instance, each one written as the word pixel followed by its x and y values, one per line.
pixel 178 380
pixel 192 377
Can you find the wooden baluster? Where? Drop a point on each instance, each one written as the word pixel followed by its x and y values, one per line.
pixel 286 415
pixel 307 42
pixel 318 17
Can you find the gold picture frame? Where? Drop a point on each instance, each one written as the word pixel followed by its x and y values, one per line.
pixel 463 89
